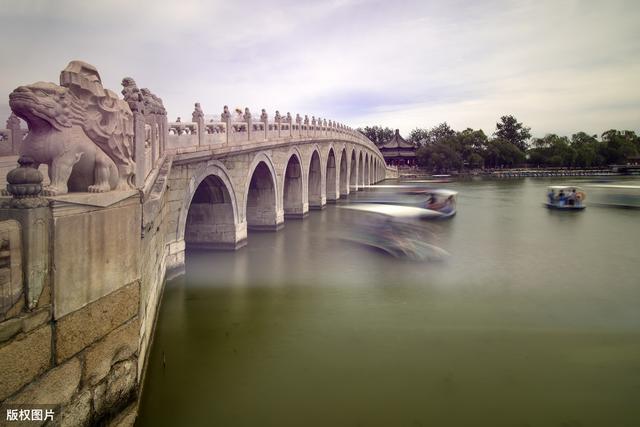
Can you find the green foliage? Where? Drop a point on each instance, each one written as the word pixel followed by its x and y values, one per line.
pixel 511 130
pixel 434 135
pixel 377 134
pixel 442 149
pixel 584 150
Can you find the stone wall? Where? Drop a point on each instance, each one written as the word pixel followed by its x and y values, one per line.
pixel 78 351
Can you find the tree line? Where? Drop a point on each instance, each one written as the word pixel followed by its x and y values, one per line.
pixel 442 149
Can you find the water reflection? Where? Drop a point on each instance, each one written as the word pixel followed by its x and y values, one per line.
pixel 533 320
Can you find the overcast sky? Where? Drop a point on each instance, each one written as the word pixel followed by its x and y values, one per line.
pixel 558 66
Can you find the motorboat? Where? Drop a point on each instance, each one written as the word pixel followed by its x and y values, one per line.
pixel 565 197
pixel 394 230
pixel 615 195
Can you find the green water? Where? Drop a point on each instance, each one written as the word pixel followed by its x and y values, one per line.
pixel 534 320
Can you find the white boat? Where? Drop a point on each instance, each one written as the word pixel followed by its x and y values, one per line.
pixel 393 230
pixel 439 200
pixel 565 197
pixel 615 195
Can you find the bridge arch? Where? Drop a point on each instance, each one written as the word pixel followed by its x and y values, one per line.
pixel 360 171
pixel 353 168
pixel 371 175
pixel 209 216
pixel 333 180
pixel 293 188
pixel 367 170
pixel 375 171
pixel 344 176
pixel 261 195
pixel 315 181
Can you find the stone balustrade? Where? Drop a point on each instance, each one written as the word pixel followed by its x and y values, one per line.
pixel 236 130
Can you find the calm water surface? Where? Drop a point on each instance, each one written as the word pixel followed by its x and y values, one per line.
pixel 534 320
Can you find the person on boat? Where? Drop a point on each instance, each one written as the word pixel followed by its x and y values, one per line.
pixel 432 203
pixel 561 198
pixel 551 195
pixel 571 198
pixel 448 205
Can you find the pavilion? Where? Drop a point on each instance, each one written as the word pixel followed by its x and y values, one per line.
pixel 398 151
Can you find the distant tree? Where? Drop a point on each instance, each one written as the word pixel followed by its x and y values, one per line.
pixel 503 153
pixel 586 147
pixel 418 137
pixel 511 130
pixel 620 145
pixel 434 135
pixel 377 134
pixel 439 157
pixel 552 150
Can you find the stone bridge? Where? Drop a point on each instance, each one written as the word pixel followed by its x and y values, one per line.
pixel 82 274
pixel 222 184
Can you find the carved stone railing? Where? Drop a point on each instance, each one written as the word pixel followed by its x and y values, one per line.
pixel 238 130
pixel 11 137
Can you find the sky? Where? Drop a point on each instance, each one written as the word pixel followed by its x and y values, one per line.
pixel 558 66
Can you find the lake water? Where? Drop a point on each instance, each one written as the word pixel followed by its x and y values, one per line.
pixel 533 320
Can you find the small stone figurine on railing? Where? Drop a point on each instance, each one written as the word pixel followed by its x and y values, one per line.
pixel 241 128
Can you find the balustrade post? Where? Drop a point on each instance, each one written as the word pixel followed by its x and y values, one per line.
pixel 290 123
pixel 138 143
pixel 278 123
pixel 15 133
pixel 225 117
pixel 249 121
pixel 264 118
pixel 198 117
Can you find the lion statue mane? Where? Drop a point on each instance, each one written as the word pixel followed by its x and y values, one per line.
pixel 82 131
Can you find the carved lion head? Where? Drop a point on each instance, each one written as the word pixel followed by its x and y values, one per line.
pixel 46 104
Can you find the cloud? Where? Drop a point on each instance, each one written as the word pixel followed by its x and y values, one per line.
pixel 557 66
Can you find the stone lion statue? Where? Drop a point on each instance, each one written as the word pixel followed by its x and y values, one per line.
pixel 83 132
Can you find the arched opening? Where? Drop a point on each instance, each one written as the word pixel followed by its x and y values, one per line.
pixel 210 220
pixel 374 177
pixel 344 183
pixel 367 177
pixel 360 172
pixel 315 182
pixel 371 174
pixel 261 200
pixel 333 193
pixel 293 200
pixel 353 178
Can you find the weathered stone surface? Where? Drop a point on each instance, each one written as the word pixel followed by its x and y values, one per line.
pixel 54 388
pixel 116 390
pixel 9 328
pixel 85 326
pixel 119 345
pixel 96 251
pixel 35 319
pixel 24 359
pixel 35 225
pixel 11 289
pixel 126 418
pixel 77 412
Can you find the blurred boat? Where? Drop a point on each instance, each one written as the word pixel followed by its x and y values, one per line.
pixel 439 200
pixel 565 197
pixel 393 230
pixel 615 195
